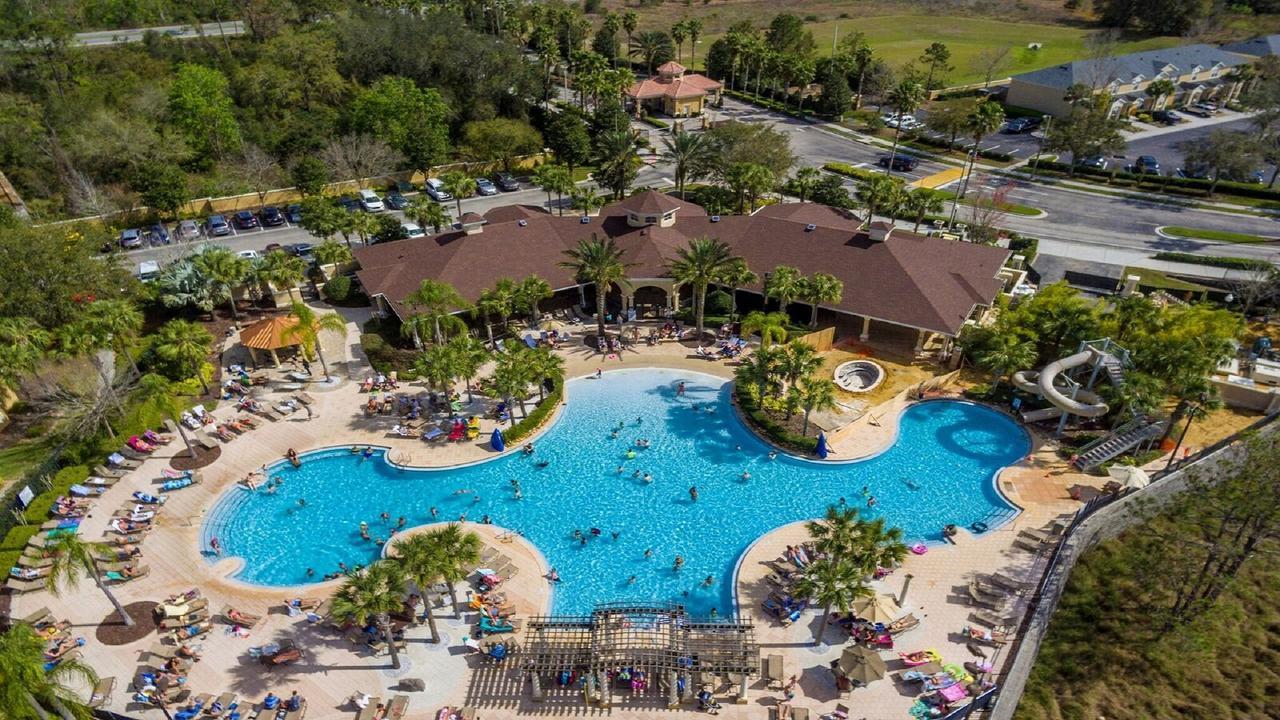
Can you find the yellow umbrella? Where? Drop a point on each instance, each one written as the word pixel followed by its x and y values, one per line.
pixel 878 609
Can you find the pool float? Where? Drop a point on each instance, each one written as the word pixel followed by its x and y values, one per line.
pixel 631 454
pixel 919 548
pixel 920 657
pixel 978 526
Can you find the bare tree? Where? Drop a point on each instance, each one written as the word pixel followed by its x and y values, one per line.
pixel 260 170
pixel 359 157
pixel 1101 52
pixel 86 199
pixel 1259 289
pixel 990 61
pixel 986 213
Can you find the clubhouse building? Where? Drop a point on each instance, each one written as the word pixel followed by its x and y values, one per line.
pixel 899 287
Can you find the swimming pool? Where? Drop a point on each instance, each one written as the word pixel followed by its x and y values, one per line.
pixel 939 471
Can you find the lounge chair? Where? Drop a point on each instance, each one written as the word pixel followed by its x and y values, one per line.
pixel 24 586
pixel 1034 535
pixel 370 710
pixel 1028 545
pixel 1004 581
pixel 173 623
pixel 242 619
pixel 203 440
pixel 433 433
pixel 978 595
pixel 37 617
pixel 106 472
pixel 398 706
pixel 304 398
pixel 190 632
pixel 161 651
pixel 983 617
pixel 903 624
pixel 95 481
pixel 101 694
pixel 219 706
pixel 773 670
pixel 114 566
pixel 117 579
pixel 121 459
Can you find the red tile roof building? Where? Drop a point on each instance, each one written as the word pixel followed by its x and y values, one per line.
pixel 674 91
pixel 926 283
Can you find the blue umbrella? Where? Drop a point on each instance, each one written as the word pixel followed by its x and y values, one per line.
pixel 496 441
pixel 821 451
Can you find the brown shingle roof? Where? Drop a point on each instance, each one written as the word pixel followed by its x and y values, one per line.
pixel 909 279
pixel 651 201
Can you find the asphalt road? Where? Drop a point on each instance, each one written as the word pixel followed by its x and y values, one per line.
pixel 119 37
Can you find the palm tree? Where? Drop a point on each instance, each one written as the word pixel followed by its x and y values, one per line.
pixel 371 595
pixel 225 268
pixel 820 288
pixel 651 47
pixel 332 252
pixel 510 381
pixel 586 200
pixel 798 360
pixel 364 225
pixel 783 284
pixel 28 689
pixel 694 27
pixel 419 560
pixel 880 193
pixel 281 269
pixel 986 118
pixel 759 370
pixel 1005 352
pixel 748 181
pixel 72 555
pixel 616 161
pixel 920 202
pixel 544 365
pixel 554 178
pixel 877 546
pixel 905 98
pixel 599 262
pixel 433 305
pixel 461 552
pixel 185 345
pixel 116 323
pixel 833 583
pixel 679 33
pixel 629 22
pixel 437 365
pixel 427 213
pixel 469 355
pixel 815 394
pixel 837 532
pixel 500 300
pixel 699 265
pixel 805 181
pixel 308 328
pixel 24 344
pixel 772 327
pixel 460 185
pixel 82 339
pixel 532 291
pixel 736 275
pixel 691 154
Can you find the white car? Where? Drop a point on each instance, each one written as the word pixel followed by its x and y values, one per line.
pixel 248 254
pixel 370 201
pixel 435 188
pixel 412 230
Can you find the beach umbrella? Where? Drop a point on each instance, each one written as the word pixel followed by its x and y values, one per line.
pixel 861 665
pixel 822 450
pixel 878 609
pixel 1133 478
pixel 496 441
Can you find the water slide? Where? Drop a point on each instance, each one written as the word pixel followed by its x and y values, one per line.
pixel 1085 404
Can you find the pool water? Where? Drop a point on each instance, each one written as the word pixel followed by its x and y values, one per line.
pixel 939 471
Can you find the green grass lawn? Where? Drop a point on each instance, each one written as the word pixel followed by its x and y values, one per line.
pixel 900 39
pixel 1216 235
pixel 1161 281
pixel 20 457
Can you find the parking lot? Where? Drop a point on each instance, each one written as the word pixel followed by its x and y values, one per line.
pixel 1167 147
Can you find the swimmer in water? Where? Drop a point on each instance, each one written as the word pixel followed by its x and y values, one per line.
pixel 746 475
pixel 679 563
pixel 631 580
pixel 648 552
pixel 435 513
pixel 614 434
pixel 636 474
pixel 386 516
pixel 401 521
pixel 302 502
pixel 648 478
pixel 311 572
pixel 773 454
pixel 709 581
pixel 871 501
pixel 620 469
pixel 615 535
pixel 693 493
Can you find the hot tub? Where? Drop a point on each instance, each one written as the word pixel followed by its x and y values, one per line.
pixel 859 375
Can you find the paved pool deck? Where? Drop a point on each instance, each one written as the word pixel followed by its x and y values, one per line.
pixel 334 668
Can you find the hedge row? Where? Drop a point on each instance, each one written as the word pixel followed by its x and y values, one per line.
pixel 770 429
pixel 766 103
pixel 847 170
pixel 1231 263
pixel 1225 187
pixel 534 420
pixel 1024 246
pixel 37 512
pixel 655 122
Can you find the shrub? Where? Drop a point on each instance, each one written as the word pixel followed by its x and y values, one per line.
pixel 773 431
pixel 1190 186
pixel 338 289
pixel 531 422
pixel 1024 246
pixel 1231 263
pixel 846 169
pixel 655 122
pixel 718 303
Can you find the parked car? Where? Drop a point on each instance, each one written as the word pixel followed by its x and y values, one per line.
pixel 1202 109
pixel 188 230
pixel 293 214
pixel 435 190
pixel 271 216
pixel 131 239
pixel 299 249
pixel 246 220
pixel 1195 172
pixel 413 230
pixel 1020 125
pixel 1147 165
pixel 485 187
pixel 1093 162
pixel 218 225
pixel 370 201
pixel 505 182
pixel 158 234
pixel 395 200
pixel 902 163
pixel 148 270
pixel 1166 117
pixel 349 203
pixel 248 254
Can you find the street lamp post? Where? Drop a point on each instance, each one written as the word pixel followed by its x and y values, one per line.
pixel 1044 133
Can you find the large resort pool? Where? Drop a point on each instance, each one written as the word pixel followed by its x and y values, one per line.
pixel 940 471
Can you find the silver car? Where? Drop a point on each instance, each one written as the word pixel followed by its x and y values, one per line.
pixel 187 230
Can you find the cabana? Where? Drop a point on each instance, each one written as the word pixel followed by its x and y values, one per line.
pixel 271 334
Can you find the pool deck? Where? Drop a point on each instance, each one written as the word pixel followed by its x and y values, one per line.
pixel 334 668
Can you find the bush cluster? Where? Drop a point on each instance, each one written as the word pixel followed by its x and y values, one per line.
pixel 338 289
pixel 534 420
pixel 766 103
pixel 1231 263
pixel 1240 189
pixel 770 429
pixel 16 536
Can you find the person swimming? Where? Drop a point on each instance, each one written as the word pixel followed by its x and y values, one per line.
pixel 746 475
pixel 614 434
pixel 401 522
pixel 648 553
pixel 693 493
pixel 435 512
pixel 311 572
pixel 528 448
pixel 302 502
pixel 386 516
pixel 631 454
pixel 367 452
pixel 542 463
pixel 620 469
pixel 648 478
pixel 871 501
pixel 709 581
pixel 679 563
pixel 773 454
pixel 631 580
pixel 637 473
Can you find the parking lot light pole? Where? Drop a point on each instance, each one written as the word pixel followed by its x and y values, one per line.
pixel 1044 133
